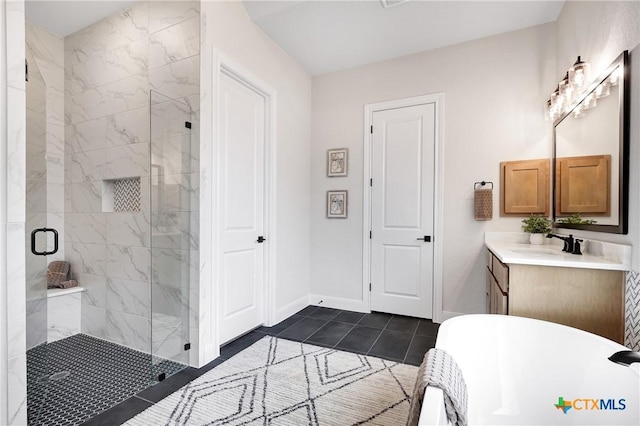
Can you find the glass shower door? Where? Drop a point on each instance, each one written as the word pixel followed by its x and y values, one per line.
pixel 171 237
pixel 36 241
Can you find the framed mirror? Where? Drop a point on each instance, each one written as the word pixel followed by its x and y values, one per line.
pixel 591 156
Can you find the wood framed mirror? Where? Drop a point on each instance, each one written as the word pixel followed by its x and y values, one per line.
pixel 591 156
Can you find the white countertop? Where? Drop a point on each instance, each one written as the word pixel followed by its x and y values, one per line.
pixel 514 248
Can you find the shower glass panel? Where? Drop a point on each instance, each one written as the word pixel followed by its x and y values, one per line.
pixel 171 237
pixel 36 218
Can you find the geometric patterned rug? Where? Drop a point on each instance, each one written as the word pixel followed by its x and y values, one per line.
pixel 280 382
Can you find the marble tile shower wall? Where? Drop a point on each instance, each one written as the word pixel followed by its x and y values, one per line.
pixel 110 69
pixel 12 280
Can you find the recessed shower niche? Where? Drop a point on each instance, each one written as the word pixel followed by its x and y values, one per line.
pixel 121 195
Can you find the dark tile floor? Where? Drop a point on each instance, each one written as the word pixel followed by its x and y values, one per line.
pixel 393 337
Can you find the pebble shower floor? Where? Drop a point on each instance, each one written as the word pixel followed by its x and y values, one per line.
pixel 101 375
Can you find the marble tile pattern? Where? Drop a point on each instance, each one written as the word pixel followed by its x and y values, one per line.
pixel 168 338
pixel 45 181
pixel 13 185
pixel 137 65
pixel 16 309
pixel 36 322
pixel 63 316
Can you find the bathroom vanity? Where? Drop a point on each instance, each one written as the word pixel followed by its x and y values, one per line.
pixel 582 291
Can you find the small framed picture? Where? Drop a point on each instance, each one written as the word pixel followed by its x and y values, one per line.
pixel 336 204
pixel 337 162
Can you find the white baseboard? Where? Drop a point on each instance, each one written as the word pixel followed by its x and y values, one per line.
pixel 290 309
pixel 450 314
pixel 338 303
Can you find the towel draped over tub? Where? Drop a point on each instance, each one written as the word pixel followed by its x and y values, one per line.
pixel 439 369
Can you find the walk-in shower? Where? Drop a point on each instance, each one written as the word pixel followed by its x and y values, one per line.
pixel 112 182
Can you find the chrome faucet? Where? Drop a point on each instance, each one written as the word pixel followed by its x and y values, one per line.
pixel 568 242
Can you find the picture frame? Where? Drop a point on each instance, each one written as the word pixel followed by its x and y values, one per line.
pixel 337 162
pixel 337 202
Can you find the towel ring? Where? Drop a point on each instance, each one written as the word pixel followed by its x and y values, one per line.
pixel 483 183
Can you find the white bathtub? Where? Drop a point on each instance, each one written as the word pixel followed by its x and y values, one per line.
pixel 517 368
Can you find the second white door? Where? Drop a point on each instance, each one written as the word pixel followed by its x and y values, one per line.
pixel 241 208
pixel 402 198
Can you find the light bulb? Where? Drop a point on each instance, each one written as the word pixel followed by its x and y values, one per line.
pixel 557 100
pixel 579 74
pixel 549 114
pixel 566 89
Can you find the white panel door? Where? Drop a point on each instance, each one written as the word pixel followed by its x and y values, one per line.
pixel 241 207
pixel 402 195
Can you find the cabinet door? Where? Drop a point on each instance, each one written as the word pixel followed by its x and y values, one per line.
pixel 501 272
pixel 501 302
pixel 488 291
pixel 524 187
pixel 497 299
pixel 493 290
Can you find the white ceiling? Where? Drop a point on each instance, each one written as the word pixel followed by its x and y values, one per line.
pixel 325 36
pixel 67 17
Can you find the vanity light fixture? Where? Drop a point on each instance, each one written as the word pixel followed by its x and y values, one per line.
pixel 566 89
pixel 570 89
pixel 555 105
pixel 579 74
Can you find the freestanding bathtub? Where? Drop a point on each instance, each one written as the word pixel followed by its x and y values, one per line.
pixel 519 370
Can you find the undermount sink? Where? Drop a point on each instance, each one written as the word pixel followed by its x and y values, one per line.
pixel 536 251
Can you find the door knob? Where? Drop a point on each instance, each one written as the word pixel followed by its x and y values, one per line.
pixel 261 239
pixel 426 238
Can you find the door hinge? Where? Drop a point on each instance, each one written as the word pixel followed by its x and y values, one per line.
pixel 187 124
pixel 26 70
pixel 370 234
pixel 371 129
pixel 371 182
pixel 369 286
pixel 187 346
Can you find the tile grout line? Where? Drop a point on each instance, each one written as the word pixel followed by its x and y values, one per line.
pixel 144 399
pixel 374 342
pixel 303 316
pixel 318 329
pixel 410 343
pixel 345 335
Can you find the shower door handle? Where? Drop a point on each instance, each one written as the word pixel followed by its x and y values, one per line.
pixel 33 241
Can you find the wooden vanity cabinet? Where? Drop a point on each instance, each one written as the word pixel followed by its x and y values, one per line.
pixel 588 299
pixel 497 286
